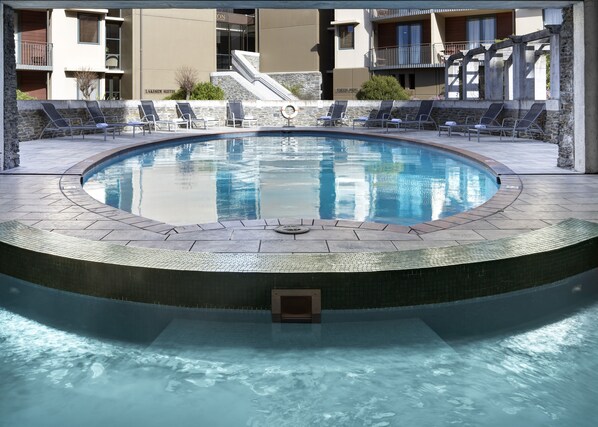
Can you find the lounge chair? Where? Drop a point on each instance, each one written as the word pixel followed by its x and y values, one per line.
pixel 187 113
pixel 236 116
pixel 527 125
pixel 68 125
pixel 376 117
pixel 487 119
pixel 337 115
pixel 419 120
pixel 150 116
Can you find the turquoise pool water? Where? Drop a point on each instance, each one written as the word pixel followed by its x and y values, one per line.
pixel 185 371
pixel 292 176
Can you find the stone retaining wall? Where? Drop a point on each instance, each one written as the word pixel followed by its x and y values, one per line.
pixel 32 120
pixel 11 115
pixel 308 84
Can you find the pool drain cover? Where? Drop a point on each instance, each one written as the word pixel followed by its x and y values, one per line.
pixel 291 229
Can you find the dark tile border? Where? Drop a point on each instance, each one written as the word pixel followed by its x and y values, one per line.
pixel 347 281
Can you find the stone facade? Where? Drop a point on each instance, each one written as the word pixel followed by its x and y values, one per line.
pixel 565 129
pixel 11 114
pixel 232 89
pixel 308 84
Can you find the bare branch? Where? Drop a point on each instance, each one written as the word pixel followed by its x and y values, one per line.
pixel 186 77
pixel 86 81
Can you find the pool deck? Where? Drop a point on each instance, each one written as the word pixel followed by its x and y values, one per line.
pixel 44 193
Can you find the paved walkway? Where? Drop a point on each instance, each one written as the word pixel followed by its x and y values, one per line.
pixel 36 194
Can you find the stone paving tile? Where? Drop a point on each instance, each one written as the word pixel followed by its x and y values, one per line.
pixel 373 226
pixel 440 223
pixel 384 235
pixel 111 225
pixel 475 225
pixel 186 228
pixel 347 223
pixel 498 234
pixel 85 234
pixel 30 223
pixel 412 245
pixel 42 208
pixel 531 224
pixel 90 216
pixel 397 228
pixel 293 246
pixel 325 222
pixel 588 207
pixel 58 216
pixel 253 222
pixel 328 234
pixel 290 221
pixel 9 216
pixel 241 246
pixel 133 235
pixel 272 221
pixel 240 234
pixel 158 228
pixel 232 224
pixel 452 235
pixel 222 234
pixel 155 244
pixel 424 228
pixel 527 207
pixel 211 226
pixel 361 246
pixel 63 225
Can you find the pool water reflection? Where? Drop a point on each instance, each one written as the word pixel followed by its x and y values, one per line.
pixel 299 176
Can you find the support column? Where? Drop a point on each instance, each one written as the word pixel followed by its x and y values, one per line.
pixel 555 63
pixel 519 71
pixel 470 78
pixel 530 73
pixel 2 157
pixel 451 78
pixel 494 76
pixel 10 112
pixel 589 86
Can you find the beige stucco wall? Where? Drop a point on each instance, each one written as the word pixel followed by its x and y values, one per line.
pixel 528 21
pixel 357 57
pixel 347 81
pixel 288 40
pixel 69 55
pixel 162 41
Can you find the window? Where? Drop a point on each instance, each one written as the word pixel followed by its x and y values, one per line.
pixel 346 37
pixel 89 28
pixel 409 40
pixel 402 80
pixel 480 29
pixel 411 81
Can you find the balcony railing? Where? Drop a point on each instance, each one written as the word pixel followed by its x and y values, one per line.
pixel 418 56
pixel 378 14
pixel 31 55
pixel 113 61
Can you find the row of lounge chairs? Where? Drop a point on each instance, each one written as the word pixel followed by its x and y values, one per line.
pixel 149 119
pixel 381 117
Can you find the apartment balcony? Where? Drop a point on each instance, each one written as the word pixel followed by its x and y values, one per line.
pixel 383 14
pixel 34 56
pixel 113 61
pixel 417 56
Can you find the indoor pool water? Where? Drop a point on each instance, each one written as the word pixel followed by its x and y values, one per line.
pixel 298 176
pixel 384 372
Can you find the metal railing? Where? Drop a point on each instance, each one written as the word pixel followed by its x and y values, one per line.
pixel 419 55
pixel 377 14
pixel 113 61
pixel 32 54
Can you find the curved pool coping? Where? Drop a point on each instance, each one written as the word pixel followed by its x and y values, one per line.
pixel 346 280
pixel 508 191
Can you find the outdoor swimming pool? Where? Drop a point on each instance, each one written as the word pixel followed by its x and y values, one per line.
pixel 294 175
pixel 382 372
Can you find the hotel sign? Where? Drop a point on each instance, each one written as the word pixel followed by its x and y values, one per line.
pixel 160 91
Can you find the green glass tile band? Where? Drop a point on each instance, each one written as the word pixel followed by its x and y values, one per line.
pixel 353 280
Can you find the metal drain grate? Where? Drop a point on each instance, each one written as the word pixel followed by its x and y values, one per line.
pixel 291 229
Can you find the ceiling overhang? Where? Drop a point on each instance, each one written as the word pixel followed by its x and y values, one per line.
pixel 290 4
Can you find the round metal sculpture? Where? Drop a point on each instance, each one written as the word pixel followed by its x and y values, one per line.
pixel 291 229
pixel 289 112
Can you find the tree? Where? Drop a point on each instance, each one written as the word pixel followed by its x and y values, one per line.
pixel 382 87
pixel 186 77
pixel 87 81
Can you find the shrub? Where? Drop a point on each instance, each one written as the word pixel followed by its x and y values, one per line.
pixel 205 91
pixel 381 87
pixel 22 96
